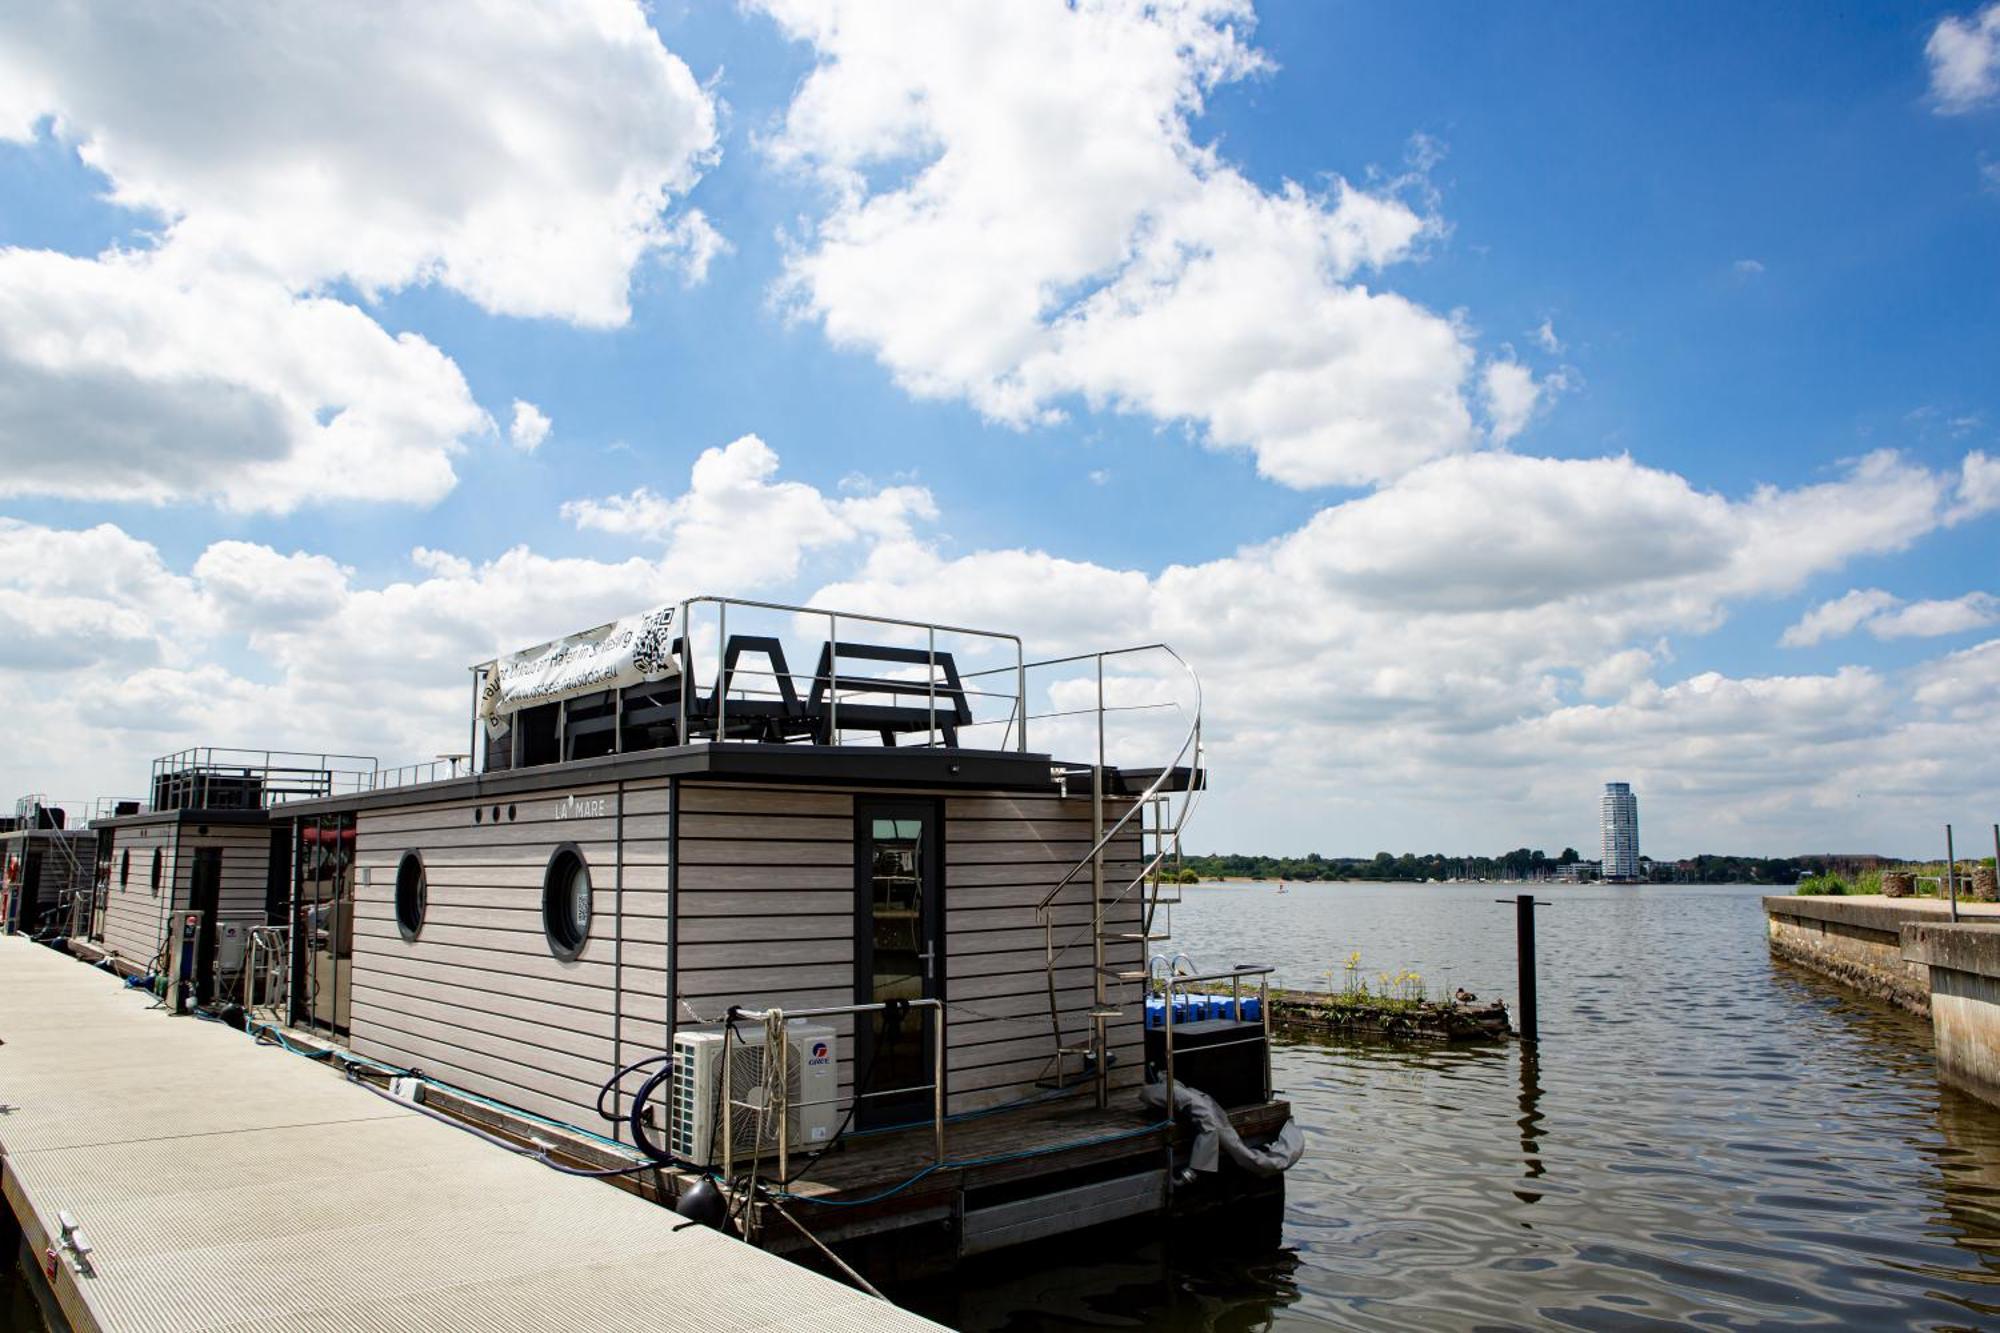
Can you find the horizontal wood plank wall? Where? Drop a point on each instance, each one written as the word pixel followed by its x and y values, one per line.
pixel 134 916
pixel 478 1000
pixel 766 910
pixel 246 861
pixel 1002 854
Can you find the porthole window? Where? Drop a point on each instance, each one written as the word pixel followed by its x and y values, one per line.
pixel 412 891
pixel 566 902
pixel 156 872
pixel 125 870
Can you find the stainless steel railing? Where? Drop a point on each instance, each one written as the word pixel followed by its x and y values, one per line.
pixel 1235 977
pixel 833 620
pixel 267 973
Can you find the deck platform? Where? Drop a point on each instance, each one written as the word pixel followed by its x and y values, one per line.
pixel 1041 1169
pixel 224 1186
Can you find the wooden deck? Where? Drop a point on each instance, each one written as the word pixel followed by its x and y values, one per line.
pixel 872 1183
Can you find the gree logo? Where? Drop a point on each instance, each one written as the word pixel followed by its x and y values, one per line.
pixel 589 807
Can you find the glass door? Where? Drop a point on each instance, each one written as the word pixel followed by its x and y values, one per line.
pixel 899 956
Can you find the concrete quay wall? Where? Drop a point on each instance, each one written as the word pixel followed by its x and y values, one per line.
pixel 1964 965
pixel 1855 941
pixel 1911 953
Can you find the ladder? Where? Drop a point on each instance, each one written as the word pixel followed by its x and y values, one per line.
pixel 63 916
pixel 1162 811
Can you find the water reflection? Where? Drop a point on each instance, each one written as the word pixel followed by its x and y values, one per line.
pixel 1530 1122
pixel 1227 1269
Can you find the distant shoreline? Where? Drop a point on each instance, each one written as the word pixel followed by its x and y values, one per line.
pixel 1233 881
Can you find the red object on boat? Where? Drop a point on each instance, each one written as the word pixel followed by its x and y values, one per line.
pixel 314 836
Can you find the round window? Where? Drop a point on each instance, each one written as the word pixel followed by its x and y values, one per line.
pixel 125 869
pixel 411 892
pixel 156 872
pixel 566 902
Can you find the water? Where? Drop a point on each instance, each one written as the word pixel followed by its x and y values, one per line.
pixel 1707 1137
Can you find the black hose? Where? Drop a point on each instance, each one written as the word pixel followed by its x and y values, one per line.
pixel 611 1084
pixel 641 1134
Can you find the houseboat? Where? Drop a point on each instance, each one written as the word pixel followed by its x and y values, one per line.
pixel 841 941
pixel 48 866
pixel 187 877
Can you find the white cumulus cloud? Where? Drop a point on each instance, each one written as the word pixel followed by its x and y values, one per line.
pixel 524 155
pixel 527 157
pixel 1509 392
pixel 1022 215
pixel 1423 636
pixel 737 527
pixel 1964 56
pixel 1932 619
pixel 1838 618
pixel 119 382
pixel 530 427
pixel 1887 616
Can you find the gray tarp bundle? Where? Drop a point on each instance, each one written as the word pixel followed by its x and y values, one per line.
pixel 1214 1134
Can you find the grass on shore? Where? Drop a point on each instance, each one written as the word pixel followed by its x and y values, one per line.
pixel 1870 881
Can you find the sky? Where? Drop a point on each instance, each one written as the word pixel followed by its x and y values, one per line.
pixel 1487 402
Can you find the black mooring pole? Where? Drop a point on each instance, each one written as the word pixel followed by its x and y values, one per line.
pixel 1524 950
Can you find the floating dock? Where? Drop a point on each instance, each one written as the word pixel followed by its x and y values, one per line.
pixel 222 1186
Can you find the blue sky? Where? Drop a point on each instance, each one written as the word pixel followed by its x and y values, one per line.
pixel 1728 248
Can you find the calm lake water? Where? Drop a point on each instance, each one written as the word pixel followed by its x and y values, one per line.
pixel 1707 1137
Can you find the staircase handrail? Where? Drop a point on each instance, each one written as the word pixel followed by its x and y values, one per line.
pixel 1153 789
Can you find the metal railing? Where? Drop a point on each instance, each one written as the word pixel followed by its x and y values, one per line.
pixel 1154 800
pixel 690 684
pixel 193 778
pixel 267 973
pixel 106 807
pixel 441 769
pixel 1235 977
pixel 775 1103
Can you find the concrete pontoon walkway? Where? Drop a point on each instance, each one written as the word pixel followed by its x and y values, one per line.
pixel 226 1185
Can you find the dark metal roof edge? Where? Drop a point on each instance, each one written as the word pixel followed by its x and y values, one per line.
pixel 185 817
pixel 985 770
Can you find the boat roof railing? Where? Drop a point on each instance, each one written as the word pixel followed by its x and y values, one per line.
pixel 733 670
pixel 76 815
pixel 212 777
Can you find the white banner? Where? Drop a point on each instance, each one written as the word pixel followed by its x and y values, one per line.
pixel 631 651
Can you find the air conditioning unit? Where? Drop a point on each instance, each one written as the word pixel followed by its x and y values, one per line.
pixel 812 1082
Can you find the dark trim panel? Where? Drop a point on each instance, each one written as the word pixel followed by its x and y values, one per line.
pixel 834 765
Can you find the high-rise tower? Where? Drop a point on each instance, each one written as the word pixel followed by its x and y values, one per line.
pixel 1621 832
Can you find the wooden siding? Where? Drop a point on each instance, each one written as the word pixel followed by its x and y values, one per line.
pixel 135 918
pixel 478 999
pixel 246 863
pixel 766 913
pixel 1002 855
pixel 766 918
